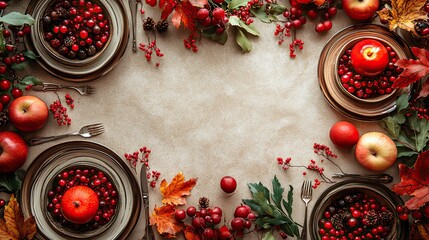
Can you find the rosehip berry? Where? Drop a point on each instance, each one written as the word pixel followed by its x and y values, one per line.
pixel 208 233
pixel 191 211
pixel 3 69
pixel 2 203
pixel 216 210
pixel 320 27
pixel 332 11
pixel 3 5
pixel 203 13
pixel 4 99
pixel 237 223
pixel 151 3
pixel 198 222
pixel 16 92
pixel 241 211
pixel 218 14
pixel 352 222
pixel 180 214
pixel 312 13
pixel 228 184
pixel 327 24
pixel 5 84
pixel 403 217
pixel 327 225
pixel 216 219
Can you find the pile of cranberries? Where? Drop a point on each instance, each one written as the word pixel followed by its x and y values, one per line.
pixel 365 87
pixel 356 216
pixel 205 221
pixel 98 181
pixel 76 28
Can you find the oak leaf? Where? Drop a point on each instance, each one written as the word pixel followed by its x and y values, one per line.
pixel 403 13
pixel 175 192
pixel 13 226
pixel 413 70
pixel 414 182
pixel 166 224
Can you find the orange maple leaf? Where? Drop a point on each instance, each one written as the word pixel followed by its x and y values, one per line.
pixel 190 233
pixel 166 223
pixel 175 192
pixel 13 227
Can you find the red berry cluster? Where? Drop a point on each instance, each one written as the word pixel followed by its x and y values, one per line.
pixel 8 92
pixel 205 222
pixel 418 106
pixel 244 13
pixel 190 43
pixel 355 216
pixel 149 49
pixel 98 181
pixel 421 214
pixel 59 111
pixel 142 156
pixel 368 87
pixel 213 17
pixel 76 29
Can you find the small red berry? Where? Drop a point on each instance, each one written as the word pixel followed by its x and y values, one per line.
pixel 16 92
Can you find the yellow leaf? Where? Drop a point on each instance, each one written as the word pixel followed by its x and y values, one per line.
pixel 166 223
pixel 13 217
pixel 403 14
pixel 175 192
pixel 13 227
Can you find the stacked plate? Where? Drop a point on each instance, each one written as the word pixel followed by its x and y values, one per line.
pixel 342 101
pixel 80 154
pixel 77 70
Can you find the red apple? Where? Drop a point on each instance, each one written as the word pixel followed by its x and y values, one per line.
pixel 376 151
pixel 360 9
pixel 13 152
pixel 79 204
pixel 369 57
pixel 28 113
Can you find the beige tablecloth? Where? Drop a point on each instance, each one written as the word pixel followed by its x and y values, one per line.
pixel 214 113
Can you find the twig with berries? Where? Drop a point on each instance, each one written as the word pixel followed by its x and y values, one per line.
pixel 59 111
pixel 142 157
pixel 321 150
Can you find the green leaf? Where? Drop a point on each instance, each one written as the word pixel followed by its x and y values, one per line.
pixel 277 192
pixel 31 80
pixel 423 134
pixel 261 14
pixel 276 9
pixel 253 205
pixel 210 33
pixel 237 3
pixel 19 66
pixel 17 19
pixel 268 235
pixel 259 187
pixel 402 102
pixel 2 41
pixel 243 41
pixel 390 124
pixel 30 54
pixel 11 182
pixel 288 207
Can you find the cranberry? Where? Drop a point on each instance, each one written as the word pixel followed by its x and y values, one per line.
pixel 3 5
pixel 180 214
pixel 16 92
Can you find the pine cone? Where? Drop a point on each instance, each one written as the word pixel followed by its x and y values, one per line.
pixel 4 118
pixel 372 218
pixel 148 24
pixel 386 218
pixel 68 41
pixel 337 221
pixel 161 26
pixel 203 203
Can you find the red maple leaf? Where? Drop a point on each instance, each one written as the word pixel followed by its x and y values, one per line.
pixel 185 12
pixel 414 70
pixel 415 182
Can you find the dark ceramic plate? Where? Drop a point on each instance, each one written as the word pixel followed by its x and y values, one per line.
pixel 48 164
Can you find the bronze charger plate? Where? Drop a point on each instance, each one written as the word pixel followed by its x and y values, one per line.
pixel 340 100
pixel 75 70
pixel 39 178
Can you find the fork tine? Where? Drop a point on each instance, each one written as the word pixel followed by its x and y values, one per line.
pixel 98 132
pixel 95 129
pixel 94 125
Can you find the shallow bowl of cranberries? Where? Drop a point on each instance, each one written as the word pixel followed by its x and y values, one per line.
pixel 361 87
pixel 81 190
pixel 367 98
pixel 78 40
pixel 357 209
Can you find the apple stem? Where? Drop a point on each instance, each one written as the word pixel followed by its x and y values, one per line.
pixel 76 204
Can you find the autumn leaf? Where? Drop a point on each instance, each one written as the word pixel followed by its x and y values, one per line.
pixel 184 12
pixel 175 192
pixel 414 182
pixel 166 223
pixel 190 234
pixel 13 226
pixel 403 14
pixel 414 70
pixel 424 92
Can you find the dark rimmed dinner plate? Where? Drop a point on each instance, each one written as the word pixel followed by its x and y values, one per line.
pixel 52 161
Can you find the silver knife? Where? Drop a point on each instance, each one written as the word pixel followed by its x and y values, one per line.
pixel 149 235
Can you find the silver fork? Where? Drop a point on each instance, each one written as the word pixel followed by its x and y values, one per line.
pixel 306 193
pixel 82 90
pixel 86 132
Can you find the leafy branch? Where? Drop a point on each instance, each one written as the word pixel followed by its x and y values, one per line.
pixel 272 210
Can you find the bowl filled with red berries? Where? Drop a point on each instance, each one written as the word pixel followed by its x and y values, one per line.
pixel 78 40
pixel 357 209
pixel 81 190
